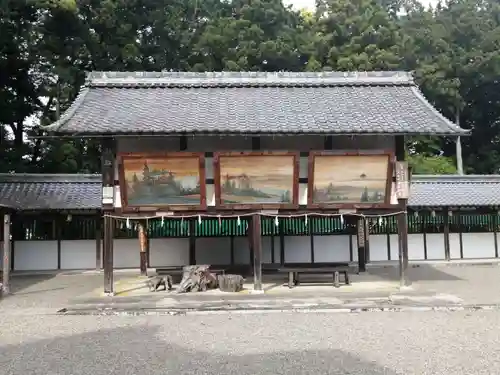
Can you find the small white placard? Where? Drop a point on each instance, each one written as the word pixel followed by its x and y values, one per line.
pixel 168 213
pixel 347 211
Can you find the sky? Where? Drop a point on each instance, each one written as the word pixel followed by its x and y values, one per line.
pixel 309 4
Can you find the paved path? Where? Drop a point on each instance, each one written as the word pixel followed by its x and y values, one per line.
pixel 421 343
pixel 434 286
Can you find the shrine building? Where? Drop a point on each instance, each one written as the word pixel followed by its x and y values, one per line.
pixel 265 166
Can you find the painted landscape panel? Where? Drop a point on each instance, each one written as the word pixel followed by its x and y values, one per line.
pixel 162 181
pixel 350 179
pixel 257 179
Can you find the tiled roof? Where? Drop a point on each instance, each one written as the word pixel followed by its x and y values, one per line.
pixel 252 103
pixel 76 191
pixel 50 192
pixel 454 190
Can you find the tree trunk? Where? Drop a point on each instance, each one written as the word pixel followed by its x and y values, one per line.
pixel 197 278
pixel 230 283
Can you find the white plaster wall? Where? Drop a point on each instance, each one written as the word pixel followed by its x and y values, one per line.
pixel 78 254
pixel 215 250
pixel 266 249
pixel 126 253
pixel 478 245
pixel 454 246
pixel 297 249
pixel 394 240
pixel 168 252
pixel 242 250
pixel 435 246
pixel 378 247
pixel 35 255
pixel 416 246
pixel 334 248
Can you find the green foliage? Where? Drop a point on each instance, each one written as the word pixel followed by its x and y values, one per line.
pixel 422 164
pixel 47 46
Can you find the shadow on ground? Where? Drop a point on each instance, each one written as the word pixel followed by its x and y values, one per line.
pixel 140 350
pixel 25 284
pixel 415 273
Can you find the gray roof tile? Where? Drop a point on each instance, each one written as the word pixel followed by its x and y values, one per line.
pixel 264 103
pixel 73 192
pixel 50 192
pixel 454 190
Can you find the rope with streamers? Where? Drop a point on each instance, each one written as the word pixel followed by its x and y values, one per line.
pixel 276 217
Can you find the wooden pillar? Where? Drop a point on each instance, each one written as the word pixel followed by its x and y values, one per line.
pixel 192 241
pixel 495 232
pixel 57 224
pixel 257 252
pixel 108 162
pixel 6 255
pixel 98 242
pixel 446 233
pixel 361 245
pixel 108 255
pixel 142 249
pixel 402 217
pixel 366 223
pixel 403 244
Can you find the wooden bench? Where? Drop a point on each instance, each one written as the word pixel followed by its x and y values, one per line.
pixel 335 269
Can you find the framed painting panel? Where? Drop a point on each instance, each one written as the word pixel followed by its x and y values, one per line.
pixel 350 180
pixel 171 181
pixel 249 180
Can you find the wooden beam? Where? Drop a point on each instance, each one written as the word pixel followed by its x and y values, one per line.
pixel 257 252
pixel 6 255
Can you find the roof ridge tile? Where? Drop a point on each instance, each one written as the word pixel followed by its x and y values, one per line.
pixel 246 79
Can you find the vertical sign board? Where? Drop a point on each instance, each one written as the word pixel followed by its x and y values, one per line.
pixel 402 180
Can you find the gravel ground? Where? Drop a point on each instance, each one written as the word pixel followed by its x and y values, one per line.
pixel 296 343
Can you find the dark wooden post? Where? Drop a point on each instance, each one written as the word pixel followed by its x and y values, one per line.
pixel 403 245
pixel 6 255
pixel 361 245
pixel 495 233
pixel 366 223
pixel 57 224
pixel 142 246
pixel 446 233
pixel 402 189
pixel 108 255
pixel 98 242
pixel 257 252
pixel 192 242
pixel 108 183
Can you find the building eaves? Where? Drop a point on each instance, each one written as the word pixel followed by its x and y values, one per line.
pixel 455 191
pixel 49 192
